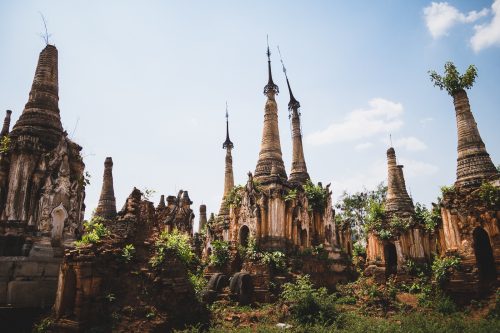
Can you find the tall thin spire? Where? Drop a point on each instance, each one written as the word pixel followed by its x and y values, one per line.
pixel 6 124
pixel 270 148
pixel 227 143
pixel 397 200
pixel 106 207
pixel 299 173
pixel 270 86
pixel 228 170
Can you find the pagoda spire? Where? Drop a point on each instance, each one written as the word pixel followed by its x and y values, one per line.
pixel 106 207
pixel 299 173
pixel 270 147
pixel 40 117
pixel 6 123
pixel 228 171
pixel 397 200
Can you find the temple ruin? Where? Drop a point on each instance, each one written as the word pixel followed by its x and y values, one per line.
pixel 396 237
pixel 42 189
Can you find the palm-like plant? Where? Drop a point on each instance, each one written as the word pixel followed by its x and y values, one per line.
pixel 452 81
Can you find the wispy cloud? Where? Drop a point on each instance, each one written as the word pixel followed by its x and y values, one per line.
pixel 426 120
pixel 363 146
pixel 382 116
pixel 409 143
pixel 414 168
pixel 488 34
pixel 440 17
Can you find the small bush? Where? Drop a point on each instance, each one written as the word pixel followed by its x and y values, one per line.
pixel 359 250
pixel 175 241
pixel 447 190
pixel 490 194
pixel 316 196
pixel 443 267
pixel 220 253
pixel 128 252
pixel 291 195
pixel 94 231
pixel 309 305
pixel 234 197
pixel 276 259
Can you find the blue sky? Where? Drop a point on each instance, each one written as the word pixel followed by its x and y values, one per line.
pixel 146 82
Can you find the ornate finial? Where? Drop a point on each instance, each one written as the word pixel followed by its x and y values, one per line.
pixel 270 86
pixel 227 144
pixel 293 104
pixel 45 36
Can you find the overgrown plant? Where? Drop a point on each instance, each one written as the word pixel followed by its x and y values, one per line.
pixel 309 305
pixel 447 190
pixel 173 241
pixel 316 196
pixel 490 194
pixel 443 267
pixel 276 259
pixel 234 197
pixel 452 81
pixel 429 219
pixel 291 195
pixel 5 144
pixel 128 252
pixel 220 253
pixel 94 231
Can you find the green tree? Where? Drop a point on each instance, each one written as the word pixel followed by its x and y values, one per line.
pixel 452 81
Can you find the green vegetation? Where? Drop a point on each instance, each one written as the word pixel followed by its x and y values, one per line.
pixel 447 190
pixel 5 144
pixel 234 197
pixel 429 219
pixel 452 81
pixel 316 196
pixel 309 305
pixel 276 259
pixel 94 231
pixel 148 193
pixel 128 252
pixel 173 241
pixel 443 267
pixel 43 326
pixel 490 194
pixel 291 195
pixel 220 253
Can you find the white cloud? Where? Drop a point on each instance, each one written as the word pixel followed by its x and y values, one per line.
pixel 487 34
pixel 409 143
pixel 413 168
pixel 440 17
pixel 424 121
pixel 382 116
pixel 369 178
pixel 363 146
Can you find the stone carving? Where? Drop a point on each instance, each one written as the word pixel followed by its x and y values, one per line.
pixel 178 213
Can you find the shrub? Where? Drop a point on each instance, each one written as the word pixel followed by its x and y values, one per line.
pixel 234 197
pixel 400 224
pixel 359 250
pixel 447 189
pixel 291 195
pixel 309 305
pixel 128 252
pixel 4 144
pixel 429 219
pixel 443 267
pixel 220 253
pixel 316 196
pixel 275 259
pixel 490 194
pixel 198 282
pixel 375 216
pixel 174 241
pixel 94 231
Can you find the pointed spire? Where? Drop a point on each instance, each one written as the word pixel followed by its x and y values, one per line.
pixel 270 147
pixel 227 144
pixel 270 86
pixel 6 124
pixel 106 207
pixel 397 200
pixel 228 170
pixel 299 173
pixel 40 117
